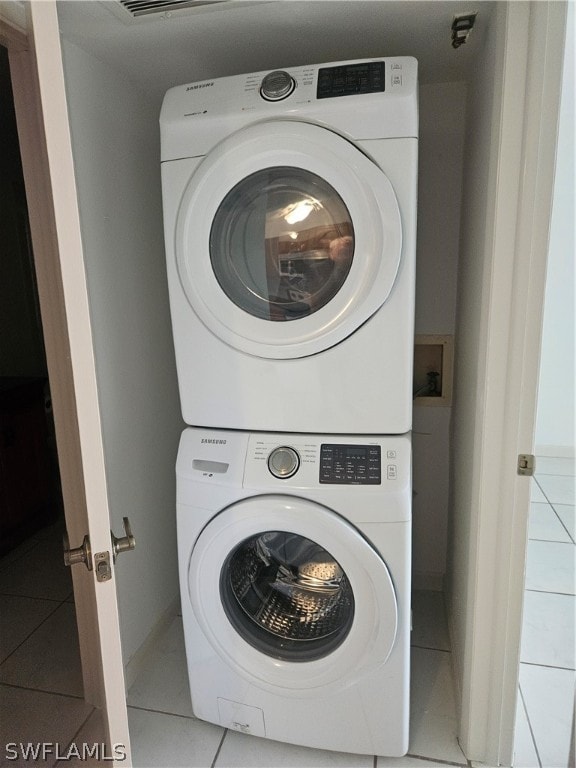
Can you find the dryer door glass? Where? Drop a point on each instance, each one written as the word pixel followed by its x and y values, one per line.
pixel 281 243
pixel 287 596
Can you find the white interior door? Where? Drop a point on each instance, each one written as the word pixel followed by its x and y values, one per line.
pixel 40 102
pixel 517 220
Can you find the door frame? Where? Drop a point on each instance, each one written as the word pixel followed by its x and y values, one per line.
pixel 519 231
pixel 37 76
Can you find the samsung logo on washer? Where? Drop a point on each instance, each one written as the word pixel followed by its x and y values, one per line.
pixel 213 441
pixel 199 85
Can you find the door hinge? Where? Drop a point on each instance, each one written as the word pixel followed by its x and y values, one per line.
pixel 526 464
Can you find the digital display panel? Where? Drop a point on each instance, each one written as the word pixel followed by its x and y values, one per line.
pixel 350 464
pixel 351 79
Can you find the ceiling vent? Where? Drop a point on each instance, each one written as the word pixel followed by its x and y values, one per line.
pixel 138 8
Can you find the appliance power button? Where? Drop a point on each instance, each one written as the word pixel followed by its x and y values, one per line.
pixel 277 85
pixel 283 462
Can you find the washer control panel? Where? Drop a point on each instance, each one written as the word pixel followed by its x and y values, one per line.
pixel 335 463
pixel 350 464
pixel 283 462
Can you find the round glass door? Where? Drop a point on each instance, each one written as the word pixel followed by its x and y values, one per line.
pixel 281 243
pixel 291 595
pixel 287 596
pixel 288 238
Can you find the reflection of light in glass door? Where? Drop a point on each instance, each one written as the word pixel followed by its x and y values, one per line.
pixel 282 243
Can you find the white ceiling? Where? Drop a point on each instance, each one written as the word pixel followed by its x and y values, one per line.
pixel 160 51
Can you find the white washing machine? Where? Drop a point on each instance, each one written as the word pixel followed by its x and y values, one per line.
pixel 294 558
pixel 290 219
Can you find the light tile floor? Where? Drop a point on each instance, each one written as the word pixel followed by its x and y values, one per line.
pixel 41 685
pixel 545 715
pixel 40 676
pixel 164 732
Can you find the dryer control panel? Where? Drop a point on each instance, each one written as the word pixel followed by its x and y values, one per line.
pixel 381 103
pixel 351 79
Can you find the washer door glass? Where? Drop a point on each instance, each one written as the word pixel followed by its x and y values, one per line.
pixel 282 243
pixel 291 596
pixel 287 596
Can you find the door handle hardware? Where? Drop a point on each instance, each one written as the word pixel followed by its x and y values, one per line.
pixel 81 554
pixel 124 543
pixel 102 564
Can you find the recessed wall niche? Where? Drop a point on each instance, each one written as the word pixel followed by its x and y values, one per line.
pixel 433 370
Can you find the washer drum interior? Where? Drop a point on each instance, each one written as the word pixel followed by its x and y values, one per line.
pixel 287 596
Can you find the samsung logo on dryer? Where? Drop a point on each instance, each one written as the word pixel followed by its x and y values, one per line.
pixel 213 441
pixel 199 85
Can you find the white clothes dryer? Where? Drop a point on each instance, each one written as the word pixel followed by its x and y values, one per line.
pixel 290 217
pixel 294 561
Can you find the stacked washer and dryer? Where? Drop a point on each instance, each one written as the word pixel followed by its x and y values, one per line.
pixel 290 220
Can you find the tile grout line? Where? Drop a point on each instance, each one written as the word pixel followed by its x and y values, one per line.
pixel 75 736
pixel 58 600
pixel 547 666
pixel 6 566
pixel 30 634
pixel 437 760
pixel 544 492
pixel 213 763
pixel 557 517
pixel 551 503
pixel 430 648
pixel 74 696
pixel 562 521
pixel 549 592
pixel 530 726
pixel 551 541
pixel 140 708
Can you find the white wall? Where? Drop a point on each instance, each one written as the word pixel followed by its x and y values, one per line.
pixel 440 155
pixel 114 129
pixel 116 152
pixel 441 150
pixel 555 421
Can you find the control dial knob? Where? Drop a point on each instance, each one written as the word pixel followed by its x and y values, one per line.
pixel 277 86
pixel 283 462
